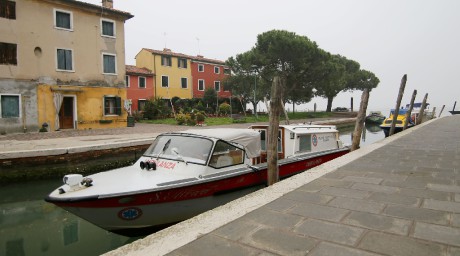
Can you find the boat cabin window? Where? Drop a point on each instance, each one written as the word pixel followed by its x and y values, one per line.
pixel 225 155
pixel 173 147
pixel 263 140
pixel 305 143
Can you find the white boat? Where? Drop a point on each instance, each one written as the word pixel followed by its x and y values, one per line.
pixel 186 173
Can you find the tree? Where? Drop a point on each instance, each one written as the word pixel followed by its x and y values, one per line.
pixel 245 81
pixel 337 74
pixel 210 98
pixel 287 60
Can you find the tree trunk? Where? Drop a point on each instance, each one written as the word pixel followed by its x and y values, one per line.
pixel 266 105
pixel 398 104
pixel 286 117
pixel 329 104
pixel 360 120
pixel 254 105
pixel 272 147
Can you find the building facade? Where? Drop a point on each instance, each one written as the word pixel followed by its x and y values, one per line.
pixel 140 84
pixel 183 76
pixel 172 72
pixel 208 73
pixel 61 64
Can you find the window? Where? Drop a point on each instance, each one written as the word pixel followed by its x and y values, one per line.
pixel 10 105
pixel 108 28
pixel 109 63
pixel 8 10
pixel 200 68
pixel 64 60
pixel 166 61
pixel 112 105
pixel 200 85
pixel 217 70
pixel 305 143
pixel 183 83
pixel 264 139
pixel 8 53
pixel 63 19
pixel 141 104
pixel 164 81
pixel 225 155
pixel 127 80
pixel 227 71
pixel 217 86
pixel 141 82
pixel 182 63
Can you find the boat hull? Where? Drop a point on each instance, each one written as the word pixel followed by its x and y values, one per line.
pixel 141 213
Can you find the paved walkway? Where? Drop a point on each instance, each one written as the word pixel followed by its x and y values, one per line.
pixel 399 196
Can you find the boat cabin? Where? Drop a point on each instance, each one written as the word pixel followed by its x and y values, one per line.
pixel 299 139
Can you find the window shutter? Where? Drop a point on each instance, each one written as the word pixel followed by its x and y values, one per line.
pixel 68 60
pixel 118 105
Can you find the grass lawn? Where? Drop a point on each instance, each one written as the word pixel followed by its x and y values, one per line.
pixel 211 121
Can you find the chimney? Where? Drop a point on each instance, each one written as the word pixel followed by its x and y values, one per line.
pixel 166 50
pixel 107 4
pixel 200 56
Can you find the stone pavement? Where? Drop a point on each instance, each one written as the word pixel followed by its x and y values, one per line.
pixel 399 196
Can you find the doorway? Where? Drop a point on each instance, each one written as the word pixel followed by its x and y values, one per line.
pixel 66 114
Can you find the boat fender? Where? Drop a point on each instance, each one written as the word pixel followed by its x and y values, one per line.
pixel 148 165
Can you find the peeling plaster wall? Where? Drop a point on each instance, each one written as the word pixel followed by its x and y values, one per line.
pixel 28 120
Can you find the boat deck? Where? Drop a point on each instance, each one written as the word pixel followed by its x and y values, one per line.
pixel 399 196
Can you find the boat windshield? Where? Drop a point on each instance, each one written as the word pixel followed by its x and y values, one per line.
pixel 182 148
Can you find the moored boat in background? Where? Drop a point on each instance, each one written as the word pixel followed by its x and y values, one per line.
pixel 375 117
pixel 186 173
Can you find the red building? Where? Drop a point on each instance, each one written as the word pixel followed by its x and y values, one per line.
pixel 140 85
pixel 208 73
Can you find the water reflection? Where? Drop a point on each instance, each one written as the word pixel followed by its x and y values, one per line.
pixel 371 134
pixel 30 226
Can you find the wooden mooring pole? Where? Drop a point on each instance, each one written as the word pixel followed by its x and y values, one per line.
pixel 360 120
pixel 409 112
pixel 422 110
pixel 442 109
pixel 398 104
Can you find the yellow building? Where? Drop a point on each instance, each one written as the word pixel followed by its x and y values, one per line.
pixel 173 72
pixel 64 65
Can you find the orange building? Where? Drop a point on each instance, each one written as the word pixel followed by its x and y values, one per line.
pixel 140 84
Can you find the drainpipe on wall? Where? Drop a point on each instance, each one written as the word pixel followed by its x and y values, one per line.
pixel 24 128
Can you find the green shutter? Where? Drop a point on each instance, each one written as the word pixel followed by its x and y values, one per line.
pixel 118 105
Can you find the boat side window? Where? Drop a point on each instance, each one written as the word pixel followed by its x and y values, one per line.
pixel 305 143
pixel 225 154
pixel 264 139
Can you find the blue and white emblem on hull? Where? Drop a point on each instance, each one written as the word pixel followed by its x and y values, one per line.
pixel 130 213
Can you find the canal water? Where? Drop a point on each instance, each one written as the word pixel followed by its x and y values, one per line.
pixel 30 226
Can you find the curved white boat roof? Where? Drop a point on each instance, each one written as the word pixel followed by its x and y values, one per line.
pixel 250 139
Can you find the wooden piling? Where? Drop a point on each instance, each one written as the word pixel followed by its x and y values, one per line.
pixel 360 120
pixel 409 112
pixel 442 109
pixel 422 110
pixel 274 120
pixel 398 104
